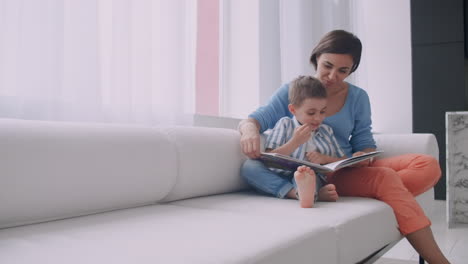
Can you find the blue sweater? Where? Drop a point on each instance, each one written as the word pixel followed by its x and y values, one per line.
pixel 351 125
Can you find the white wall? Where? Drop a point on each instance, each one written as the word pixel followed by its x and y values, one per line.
pixel 384 26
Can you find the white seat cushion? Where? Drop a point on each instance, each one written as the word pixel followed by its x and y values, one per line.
pixel 351 219
pixel 170 234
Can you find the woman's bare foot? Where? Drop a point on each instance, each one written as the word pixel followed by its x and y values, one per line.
pixel 328 193
pixel 305 180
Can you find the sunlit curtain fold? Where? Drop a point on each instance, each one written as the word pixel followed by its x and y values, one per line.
pixel 267 43
pixel 125 61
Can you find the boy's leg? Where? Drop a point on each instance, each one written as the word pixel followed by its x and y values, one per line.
pixel 306 182
pixel 265 180
pixel 418 172
pixel 328 193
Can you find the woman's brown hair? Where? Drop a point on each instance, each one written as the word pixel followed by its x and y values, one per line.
pixel 338 42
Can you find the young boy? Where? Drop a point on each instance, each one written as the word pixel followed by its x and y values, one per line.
pixel 302 137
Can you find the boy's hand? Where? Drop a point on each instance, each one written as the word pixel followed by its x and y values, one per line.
pixel 302 134
pixel 316 157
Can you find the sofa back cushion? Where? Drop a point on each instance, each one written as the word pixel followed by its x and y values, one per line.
pixel 397 144
pixel 209 161
pixel 55 170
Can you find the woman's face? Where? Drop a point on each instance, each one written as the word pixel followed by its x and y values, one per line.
pixel 333 68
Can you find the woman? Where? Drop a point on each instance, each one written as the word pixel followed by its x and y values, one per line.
pixel 394 180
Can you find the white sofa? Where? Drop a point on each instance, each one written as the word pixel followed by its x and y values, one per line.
pixel 100 193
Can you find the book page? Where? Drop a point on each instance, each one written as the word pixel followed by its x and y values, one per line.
pixel 284 162
pixel 353 160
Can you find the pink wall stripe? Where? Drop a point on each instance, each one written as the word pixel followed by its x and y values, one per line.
pixel 207 58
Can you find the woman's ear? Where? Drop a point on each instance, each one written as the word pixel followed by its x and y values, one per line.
pixel 292 109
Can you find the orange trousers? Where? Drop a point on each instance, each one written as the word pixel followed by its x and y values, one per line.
pixel 395 181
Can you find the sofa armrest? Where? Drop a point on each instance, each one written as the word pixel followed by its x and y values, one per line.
pixel 395 144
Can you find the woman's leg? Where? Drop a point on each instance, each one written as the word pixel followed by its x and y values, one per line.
pixel 265 180
pixel 418 172
pixel 424 243
pixel 386 185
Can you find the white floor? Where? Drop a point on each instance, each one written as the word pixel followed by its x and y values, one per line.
pixel 453 241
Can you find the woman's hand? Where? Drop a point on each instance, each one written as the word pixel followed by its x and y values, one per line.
pixel 250 138
pixel 363 163
pixel 316 157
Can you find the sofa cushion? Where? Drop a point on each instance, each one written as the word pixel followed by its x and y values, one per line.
pixel 351 219
pixel 209 161
pixel 397 144
pixel 54 170
pixel 169 234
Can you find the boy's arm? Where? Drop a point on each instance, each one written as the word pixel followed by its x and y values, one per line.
pixel 319 158
pixel 300 136
pixel 287 148
pixel 337 152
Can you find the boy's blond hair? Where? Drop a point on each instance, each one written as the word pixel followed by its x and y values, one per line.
pixel 304 87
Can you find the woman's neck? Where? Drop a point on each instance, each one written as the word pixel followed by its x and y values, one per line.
pixel 338 89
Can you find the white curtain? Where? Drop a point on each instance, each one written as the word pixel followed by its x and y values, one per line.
pixel 126 61
pixel 281 35
pixel 302 24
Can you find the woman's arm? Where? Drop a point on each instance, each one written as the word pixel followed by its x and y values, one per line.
pixel 250 137
pixel 366 150
pixel 276 108
pixel 363 163
pixel 262 119
pixel 361 136
pixel 362 139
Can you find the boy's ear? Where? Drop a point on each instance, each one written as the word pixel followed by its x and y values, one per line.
pixel 292 109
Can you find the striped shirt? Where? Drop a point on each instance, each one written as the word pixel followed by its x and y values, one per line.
pixel 351 125
pixel 323 139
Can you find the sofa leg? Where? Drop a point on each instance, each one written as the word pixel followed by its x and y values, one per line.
pixel 421 260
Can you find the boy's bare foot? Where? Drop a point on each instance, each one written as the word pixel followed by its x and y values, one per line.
pixel 305 180
pixel 328 193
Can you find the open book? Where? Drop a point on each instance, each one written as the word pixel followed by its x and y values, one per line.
pixel 284 162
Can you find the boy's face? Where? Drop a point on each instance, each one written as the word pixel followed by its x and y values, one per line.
pixel 311 111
